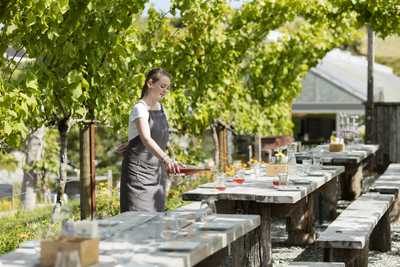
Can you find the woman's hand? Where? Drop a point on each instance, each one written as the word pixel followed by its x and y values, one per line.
pixel 122 148
pixel 171 166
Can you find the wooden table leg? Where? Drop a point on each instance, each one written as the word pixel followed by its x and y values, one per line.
pixel 253 249
pixel 356 182
pixel 218 259
pixel 351 182
pixel 300 223
pixel 328 201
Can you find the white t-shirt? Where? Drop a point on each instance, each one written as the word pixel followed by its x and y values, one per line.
pixel 140 110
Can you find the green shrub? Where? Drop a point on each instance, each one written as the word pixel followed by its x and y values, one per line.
pixel 174 199
pixel 23 226
pixel 29 225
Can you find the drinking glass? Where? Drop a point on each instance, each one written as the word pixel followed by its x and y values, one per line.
pixel 170 227
pixel 307 163
pixel 283 178
pixel 256 170
pixel 239 179
pixel 209 210
pixel 316 159
pixel 86 229
pixel 68 258
pixel 220 182
pixel 275 181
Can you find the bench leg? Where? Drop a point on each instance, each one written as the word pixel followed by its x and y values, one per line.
pixel 380 238
pixel 253 249
pixel 300 223
pixel 351 257
pixel 395 212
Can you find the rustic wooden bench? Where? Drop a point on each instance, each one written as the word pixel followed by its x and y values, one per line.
pixel 363 225
pixel 389 183
pixel 317 264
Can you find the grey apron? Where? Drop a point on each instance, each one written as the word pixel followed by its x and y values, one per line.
pixel 143 177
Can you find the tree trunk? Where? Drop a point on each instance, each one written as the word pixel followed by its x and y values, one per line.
pixel 63 128
pixel 33 153
pixel 87 171
pixel 258 147
pixel 369 107
pixel 84 172
pixel 216 145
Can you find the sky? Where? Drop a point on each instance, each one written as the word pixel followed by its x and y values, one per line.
pixel 164 5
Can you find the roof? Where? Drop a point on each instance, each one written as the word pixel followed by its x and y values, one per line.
pixel 18 56
pixel 349 73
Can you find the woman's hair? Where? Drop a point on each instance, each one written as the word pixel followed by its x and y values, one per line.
pixel 154 75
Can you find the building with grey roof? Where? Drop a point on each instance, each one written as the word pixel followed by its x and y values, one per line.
pixel 338 84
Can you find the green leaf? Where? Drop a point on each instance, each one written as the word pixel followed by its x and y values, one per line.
pixel 76 91
pixel 64 6
pixel 85 83
pixel 74 76
pixel 7 129
pixel 32 83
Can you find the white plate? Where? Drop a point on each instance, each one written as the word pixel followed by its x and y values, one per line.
pixel 316 173
pixel 216 226
pixel 328 168
pixel 288 188
pixel 177 245
pixel 300 181
pixel 108 223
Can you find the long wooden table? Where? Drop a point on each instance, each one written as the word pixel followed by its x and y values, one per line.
pixel 134 239
pixel 258 196
pixel 355 159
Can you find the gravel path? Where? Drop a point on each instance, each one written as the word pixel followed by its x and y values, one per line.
pixel 282 254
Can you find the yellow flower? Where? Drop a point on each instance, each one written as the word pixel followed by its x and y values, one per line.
pixel 280 154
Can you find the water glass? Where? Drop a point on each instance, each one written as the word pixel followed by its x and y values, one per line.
pixel 209 209
pixel 283 178
pixel 275 181
pixel 316 159
pixel 256 170
pixel 170 227
pixel 307 163
pixel 68 258
pixel 86 229
pixel 220 182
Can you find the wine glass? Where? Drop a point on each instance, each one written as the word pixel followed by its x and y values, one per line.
pixel 239 177
pixel 220 182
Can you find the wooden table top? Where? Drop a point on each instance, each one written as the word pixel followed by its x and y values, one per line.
pixel 261 190
pixel 134 238
pixel 356 153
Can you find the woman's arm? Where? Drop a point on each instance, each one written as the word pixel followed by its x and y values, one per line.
pixel 145 136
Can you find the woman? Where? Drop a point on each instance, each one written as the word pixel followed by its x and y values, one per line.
pixel 143 168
